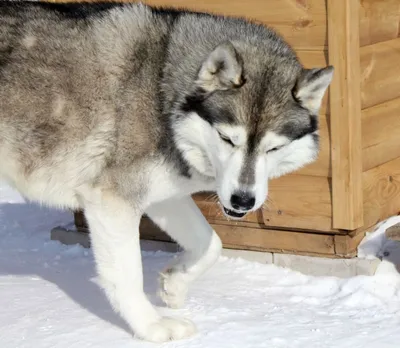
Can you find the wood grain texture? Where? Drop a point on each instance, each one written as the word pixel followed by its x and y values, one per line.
pixel 270 240
pixel 381 134
pixel 345 114
pixel 381 187
pixel 247 238
pixel 380 72
pixel 275 241
pixel 379 21
pixel 295 202
pixel 346 245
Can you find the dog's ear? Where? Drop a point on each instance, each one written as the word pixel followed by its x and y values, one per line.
pixel 221 70
pixel 311 86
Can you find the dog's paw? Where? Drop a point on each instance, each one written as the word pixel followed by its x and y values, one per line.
pixel 168 329
pixel 173 288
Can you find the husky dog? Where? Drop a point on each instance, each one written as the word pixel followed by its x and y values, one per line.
pixel 123 110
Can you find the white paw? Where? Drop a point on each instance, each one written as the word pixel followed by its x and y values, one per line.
pixel 168 329
pixel 173 289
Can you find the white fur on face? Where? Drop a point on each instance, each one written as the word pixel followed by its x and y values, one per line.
pixel 292 156
pixel 204 149
pixel 193 138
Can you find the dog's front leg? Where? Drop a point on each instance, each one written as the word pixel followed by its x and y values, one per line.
pixel 184 222
pixel 114 226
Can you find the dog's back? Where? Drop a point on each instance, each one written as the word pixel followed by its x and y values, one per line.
pixel 64 70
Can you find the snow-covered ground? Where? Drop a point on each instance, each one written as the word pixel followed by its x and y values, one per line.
pixel 49 297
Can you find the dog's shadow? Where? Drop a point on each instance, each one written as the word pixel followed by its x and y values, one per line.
pixel 65 269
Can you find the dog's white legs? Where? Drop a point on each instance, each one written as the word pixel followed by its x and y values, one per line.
pixel 184 222
pixel 114 229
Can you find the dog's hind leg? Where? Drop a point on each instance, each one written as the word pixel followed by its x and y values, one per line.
pixel 114 226
pixel 184 222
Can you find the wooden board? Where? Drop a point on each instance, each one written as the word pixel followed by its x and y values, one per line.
pixel 346 245
pixel 248 238
pixel 381 192
pixel 295 202
pixel 270 240
pixel 345 114
pixel 380 72
pixel 381 134
pixel 275 240
pixel 379 21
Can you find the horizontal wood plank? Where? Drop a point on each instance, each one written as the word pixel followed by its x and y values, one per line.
pixel 381 134
pixel 274 240
pixel 380 73
pixel 247 238
pixel 381 187
pixel 379 21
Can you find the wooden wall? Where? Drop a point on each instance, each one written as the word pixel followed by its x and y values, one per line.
pixel 380 97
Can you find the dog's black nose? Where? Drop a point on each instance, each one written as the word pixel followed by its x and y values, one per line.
pixel 242 201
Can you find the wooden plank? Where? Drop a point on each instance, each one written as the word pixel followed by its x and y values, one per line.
pixel 346 245
pixel 244 238
pixel 302 23
pixel 295 202
pixel 381 192
pixel 380 134
pixel 379 21
pixel 345 113
pixel 380 72
pixel 274 240
pixel 300 202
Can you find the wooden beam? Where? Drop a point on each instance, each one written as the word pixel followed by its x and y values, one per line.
pixel 345 114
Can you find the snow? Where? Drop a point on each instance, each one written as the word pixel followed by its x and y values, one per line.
pixel 49 297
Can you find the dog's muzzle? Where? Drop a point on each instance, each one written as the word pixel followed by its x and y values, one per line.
pixel 234 214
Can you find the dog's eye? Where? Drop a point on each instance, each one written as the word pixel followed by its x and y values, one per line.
pixel 226 139
pixel 276 148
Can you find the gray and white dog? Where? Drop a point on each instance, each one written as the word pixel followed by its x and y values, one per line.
pixel 124 110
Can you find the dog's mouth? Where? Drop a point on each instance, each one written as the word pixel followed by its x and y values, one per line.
pixel 234 214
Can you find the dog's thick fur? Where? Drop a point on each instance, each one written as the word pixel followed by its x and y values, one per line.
pixel 122 110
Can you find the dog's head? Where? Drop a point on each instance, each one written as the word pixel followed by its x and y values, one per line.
pixel 252 114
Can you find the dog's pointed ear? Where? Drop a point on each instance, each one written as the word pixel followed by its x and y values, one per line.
pixel 311 86
pixel 221 70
